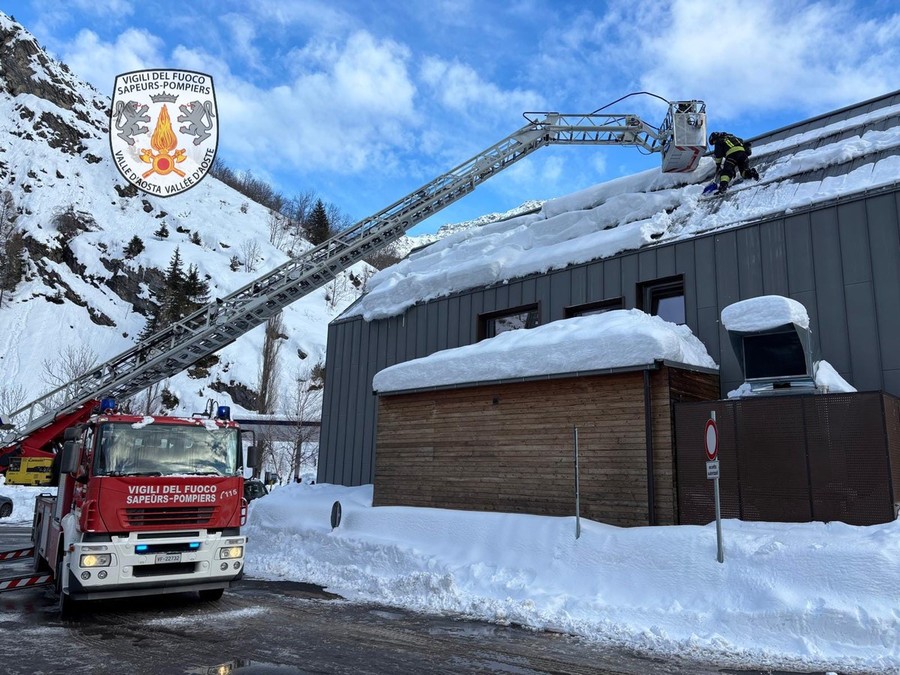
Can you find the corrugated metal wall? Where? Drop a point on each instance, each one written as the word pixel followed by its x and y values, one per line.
pixel 842 261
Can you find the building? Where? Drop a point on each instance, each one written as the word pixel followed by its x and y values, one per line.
pixel 821 227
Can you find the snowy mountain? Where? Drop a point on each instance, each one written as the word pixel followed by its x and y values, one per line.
pixel 81 296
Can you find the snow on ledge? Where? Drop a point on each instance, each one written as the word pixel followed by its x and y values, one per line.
pixel 764 313
pixel 616 339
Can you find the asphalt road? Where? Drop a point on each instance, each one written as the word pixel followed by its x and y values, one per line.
pixel 281 628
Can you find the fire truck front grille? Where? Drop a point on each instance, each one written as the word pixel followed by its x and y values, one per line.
pixel 182 515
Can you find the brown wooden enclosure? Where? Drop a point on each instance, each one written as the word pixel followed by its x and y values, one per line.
pixel 795 458
pixel 509 446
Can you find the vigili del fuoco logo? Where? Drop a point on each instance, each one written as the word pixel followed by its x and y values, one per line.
pixel 153 153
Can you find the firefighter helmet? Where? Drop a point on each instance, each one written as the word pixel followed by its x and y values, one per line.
pixel 714 137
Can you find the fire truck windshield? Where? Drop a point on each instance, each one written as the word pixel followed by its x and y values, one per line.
pixel 165 450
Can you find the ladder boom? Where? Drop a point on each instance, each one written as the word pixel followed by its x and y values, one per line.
pixel 221 322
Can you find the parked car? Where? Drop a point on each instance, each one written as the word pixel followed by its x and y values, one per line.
pixel 254 489
pixel 5 507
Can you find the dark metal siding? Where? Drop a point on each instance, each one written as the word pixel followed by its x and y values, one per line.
pixel 840 261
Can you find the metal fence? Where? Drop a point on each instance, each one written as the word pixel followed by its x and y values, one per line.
pixel 792 458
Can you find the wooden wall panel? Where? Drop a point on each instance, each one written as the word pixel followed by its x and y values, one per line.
pixel 510 447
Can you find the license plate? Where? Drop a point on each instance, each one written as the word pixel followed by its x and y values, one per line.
pixel 163 558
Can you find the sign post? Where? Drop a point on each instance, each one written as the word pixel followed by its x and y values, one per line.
pixel 711 440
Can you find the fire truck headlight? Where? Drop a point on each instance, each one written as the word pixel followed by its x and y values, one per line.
pixel 231 552
pixel 96 560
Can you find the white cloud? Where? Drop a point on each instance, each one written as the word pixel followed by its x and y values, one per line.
pixel 99 62
pixel 106 8
pixel 461 88
pixel 770 55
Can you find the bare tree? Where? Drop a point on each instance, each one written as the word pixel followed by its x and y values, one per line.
pixel 12 396
pixel 251 252
pixel 266 400
pixel 70 364
pixel 342 288
pixel 149 401
pixel 299 210
pixel 303 405
pixel 278 231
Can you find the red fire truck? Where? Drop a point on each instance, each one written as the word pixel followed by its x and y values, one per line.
pixel 144 506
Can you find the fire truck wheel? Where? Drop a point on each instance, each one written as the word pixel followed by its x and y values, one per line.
pixel 66 606
pixel 211 594
pixel 6 511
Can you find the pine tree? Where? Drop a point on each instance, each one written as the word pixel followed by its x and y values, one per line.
pixel 162 232
pixel 195 238
pixel 195 289
pixel 135 246
pixel 173 300
pixel 318 227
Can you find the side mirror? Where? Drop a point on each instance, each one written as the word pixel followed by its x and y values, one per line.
pixel 251 456
pixel 70 434
pixel 71 457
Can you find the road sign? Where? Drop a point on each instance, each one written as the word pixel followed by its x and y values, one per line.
pixel 712 469
pixel 711 437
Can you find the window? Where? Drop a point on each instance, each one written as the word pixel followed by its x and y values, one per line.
pixel 494 323
pixel 595 307
pixel 663 298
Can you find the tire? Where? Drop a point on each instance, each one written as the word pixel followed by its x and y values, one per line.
pixel 5 511
pixel 66 604
pixel 211 594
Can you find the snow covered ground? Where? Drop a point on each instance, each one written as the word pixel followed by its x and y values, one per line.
pixel 812 596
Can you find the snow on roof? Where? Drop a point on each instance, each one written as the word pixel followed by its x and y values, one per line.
pixel 764 313
pixel 616 339
pixel 638 210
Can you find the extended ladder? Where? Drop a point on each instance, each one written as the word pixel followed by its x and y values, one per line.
pixel 681 140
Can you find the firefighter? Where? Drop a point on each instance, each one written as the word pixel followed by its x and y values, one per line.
pixel 732 155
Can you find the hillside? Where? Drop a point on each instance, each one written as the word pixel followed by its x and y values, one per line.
pixel 80 298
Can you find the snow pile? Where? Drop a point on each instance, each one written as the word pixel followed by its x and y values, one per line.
pixel 800 596
pixel 23 501
pixel 616 339
pixel 764 313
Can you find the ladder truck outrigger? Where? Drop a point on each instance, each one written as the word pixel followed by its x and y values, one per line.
pixel 148 505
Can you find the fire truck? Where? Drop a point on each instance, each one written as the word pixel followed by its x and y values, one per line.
pixel 144 505
pixel 154 505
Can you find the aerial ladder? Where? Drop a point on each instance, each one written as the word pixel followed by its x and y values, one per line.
pixel 36 429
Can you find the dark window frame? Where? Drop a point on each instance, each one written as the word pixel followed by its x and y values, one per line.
pixel 487 317
pixel 597 307
pixel 651 292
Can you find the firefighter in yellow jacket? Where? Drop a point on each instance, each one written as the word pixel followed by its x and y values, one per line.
pixel 732 155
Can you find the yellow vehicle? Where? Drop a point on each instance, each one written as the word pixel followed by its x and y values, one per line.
pixel 29 471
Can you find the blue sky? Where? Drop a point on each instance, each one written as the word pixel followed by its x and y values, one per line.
pixel 363 101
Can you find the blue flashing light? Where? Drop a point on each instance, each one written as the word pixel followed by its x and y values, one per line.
pixel 107 404
pixel 141 548
pixel 194 545
pixel 223 412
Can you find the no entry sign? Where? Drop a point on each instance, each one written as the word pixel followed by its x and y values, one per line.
pixel 711 438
